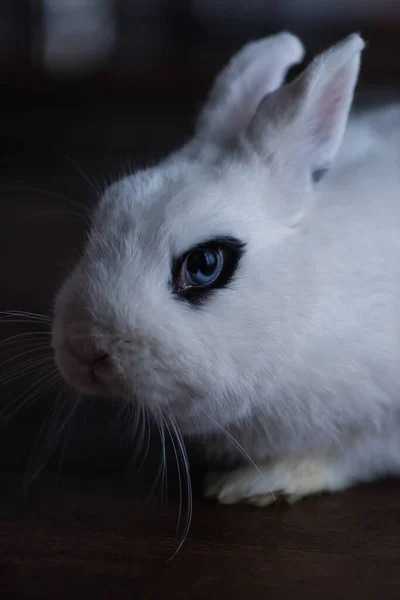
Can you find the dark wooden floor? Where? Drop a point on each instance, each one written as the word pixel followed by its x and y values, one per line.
pixel 86 526
pixel 91 537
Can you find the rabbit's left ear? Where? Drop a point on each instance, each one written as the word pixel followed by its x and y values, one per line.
pixel 257 69
pixel 300 126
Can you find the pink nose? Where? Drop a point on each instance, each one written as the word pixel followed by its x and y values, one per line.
pixel 88 356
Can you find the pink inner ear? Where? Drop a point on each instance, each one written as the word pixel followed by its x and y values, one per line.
pixel 331 110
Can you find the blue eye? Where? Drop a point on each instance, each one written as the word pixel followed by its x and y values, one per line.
pixel 205 268
pixel 201 267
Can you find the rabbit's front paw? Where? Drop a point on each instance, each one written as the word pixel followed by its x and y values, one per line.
pixel 290 479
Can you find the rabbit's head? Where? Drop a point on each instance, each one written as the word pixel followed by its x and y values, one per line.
pixel 186 296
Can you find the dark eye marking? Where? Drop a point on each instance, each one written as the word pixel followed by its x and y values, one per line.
pixel 205 268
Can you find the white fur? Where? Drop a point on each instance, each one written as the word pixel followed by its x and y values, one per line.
pixel 299 358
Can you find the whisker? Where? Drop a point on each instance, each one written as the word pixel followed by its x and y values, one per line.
pixel 37 317
pixel 48 382
pixel 161 471
pixel 29 346
pixel 179 476
pixel 62 214
pixel 147 422
pixel 20 367
pixel 84 176
pixel 67 439
pixel 164 480
pixel 21 314
pixel 134 420
pixel 15 357
pixel 35 368
pixel 57 195
pixel 25 368
pixel 132 417
pixel 184 456
pixel 45 423
pixel 139 443
pixel 15 339
pixel 18 320
pixel 30 313
pixel 235 442
pixel 19 373
pixel 58 422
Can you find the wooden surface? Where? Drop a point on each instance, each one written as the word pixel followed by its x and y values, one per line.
pixel 85 527
pixel 89 537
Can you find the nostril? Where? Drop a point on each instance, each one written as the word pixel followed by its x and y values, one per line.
pixel 101 358
pixel 102 368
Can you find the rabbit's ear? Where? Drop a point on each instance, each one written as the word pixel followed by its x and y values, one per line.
pixel 301 125
pixel 256 70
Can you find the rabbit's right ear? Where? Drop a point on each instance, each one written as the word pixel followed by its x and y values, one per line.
pixel 299 128
pixel 256 70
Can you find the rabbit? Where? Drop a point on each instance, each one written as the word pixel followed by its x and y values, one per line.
pixel 247 287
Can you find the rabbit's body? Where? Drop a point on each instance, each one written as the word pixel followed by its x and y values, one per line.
pixel 290 355
pixel 342 362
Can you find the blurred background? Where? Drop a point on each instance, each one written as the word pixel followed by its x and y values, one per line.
pixel 90 88
pixel 117 77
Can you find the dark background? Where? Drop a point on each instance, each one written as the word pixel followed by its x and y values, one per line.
pixel 89 89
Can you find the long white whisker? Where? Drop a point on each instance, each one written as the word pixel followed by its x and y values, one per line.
pixel 164 480
pixel 161 471
pixel 48 382
pixel 34 368
pixel 59 399
pixel 57 195
pixel 140 421
pixel 183 453
pixel 84 176
pixel 14 358
pixel 55 430
pixel 21 313
pixel 69 418
pixel 16 321
pixel 133 418
pixel 179 476
pixel 22 369
pixel 29 334
pixel 148 427
pixel 60 213
pixel 235 442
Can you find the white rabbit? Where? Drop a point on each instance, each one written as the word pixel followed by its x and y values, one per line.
pixel 235 290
